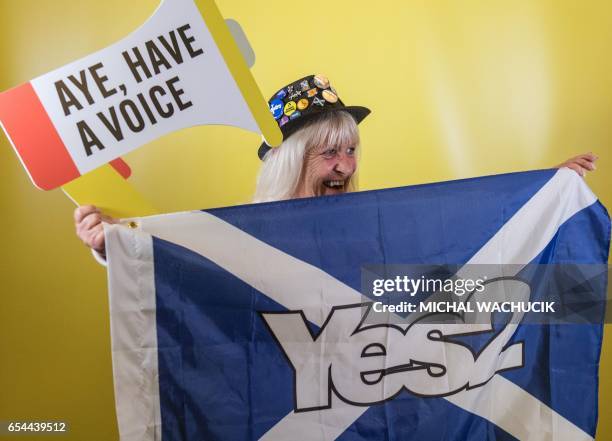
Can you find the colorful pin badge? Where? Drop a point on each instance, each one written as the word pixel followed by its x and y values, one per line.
pixel 290 107
pixel 329 96
pixel 318 101
pixel 276 107
pixel 321 81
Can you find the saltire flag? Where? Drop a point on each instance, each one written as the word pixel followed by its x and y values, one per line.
pixel 240 323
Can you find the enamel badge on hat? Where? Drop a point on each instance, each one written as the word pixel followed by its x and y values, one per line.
pixel 184 67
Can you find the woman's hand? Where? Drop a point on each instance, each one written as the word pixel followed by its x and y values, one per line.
pixel 581 164
pixel 88 221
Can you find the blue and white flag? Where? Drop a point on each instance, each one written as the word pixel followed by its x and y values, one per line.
pixel 246 323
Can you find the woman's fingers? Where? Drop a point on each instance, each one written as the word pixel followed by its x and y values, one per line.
pixel 84 210
pixel 585 163
pixel 581 164
pixel 577 168
pixel 89 226
pixel 97 239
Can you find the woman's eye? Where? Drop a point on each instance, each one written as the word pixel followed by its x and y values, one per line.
pixel 330 152
pixel 350 151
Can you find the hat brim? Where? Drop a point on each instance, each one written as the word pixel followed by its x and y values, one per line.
pixel 358 112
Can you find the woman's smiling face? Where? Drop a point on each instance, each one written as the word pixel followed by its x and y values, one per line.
pixel 327 170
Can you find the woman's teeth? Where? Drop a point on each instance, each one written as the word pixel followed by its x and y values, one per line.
pixel 334 184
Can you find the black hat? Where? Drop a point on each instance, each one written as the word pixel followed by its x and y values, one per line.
pixel 302 101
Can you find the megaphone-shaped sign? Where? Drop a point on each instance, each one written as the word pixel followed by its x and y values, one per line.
pixel 182 68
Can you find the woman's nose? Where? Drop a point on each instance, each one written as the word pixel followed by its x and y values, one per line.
pixel 345 166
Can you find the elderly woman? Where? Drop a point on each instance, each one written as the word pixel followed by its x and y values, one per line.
pixel 318 155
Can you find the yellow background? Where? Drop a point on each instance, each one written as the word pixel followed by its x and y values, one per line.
pixel 458 89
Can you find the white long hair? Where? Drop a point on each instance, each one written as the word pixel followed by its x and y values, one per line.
pixel 282 166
